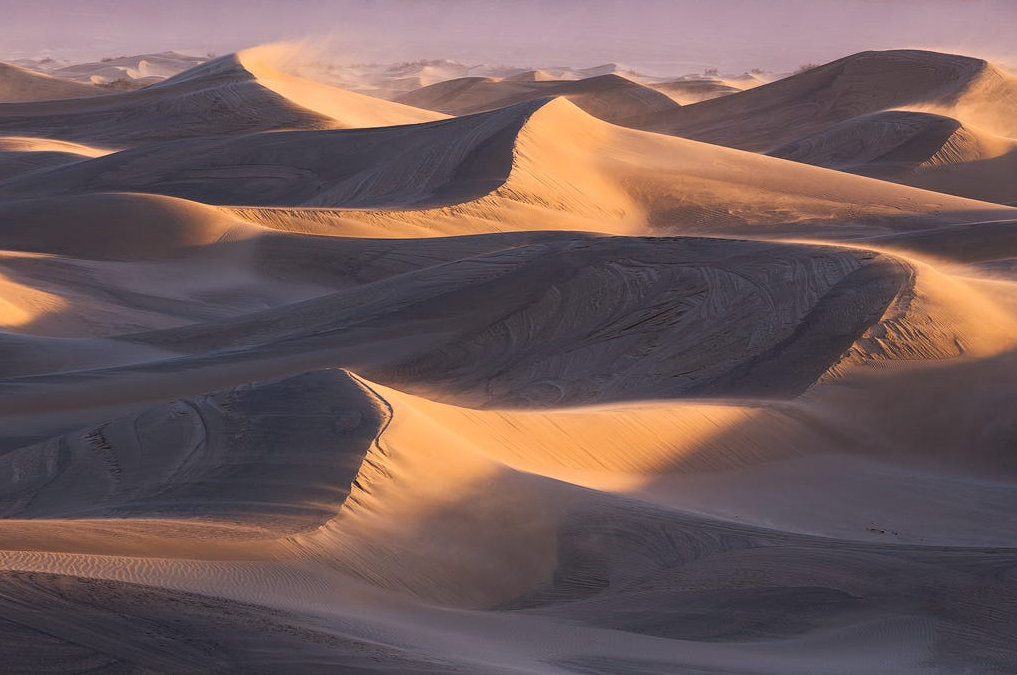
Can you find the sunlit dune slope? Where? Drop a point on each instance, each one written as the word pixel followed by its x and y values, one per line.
pixel 221 96
pixel 534 165
pixel 349 109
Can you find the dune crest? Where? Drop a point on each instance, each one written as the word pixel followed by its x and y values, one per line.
pixel 349 109
pixel 876 113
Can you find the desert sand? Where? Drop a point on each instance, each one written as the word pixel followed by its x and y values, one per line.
pixel 539 372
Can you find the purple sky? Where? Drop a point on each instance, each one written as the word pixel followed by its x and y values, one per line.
pixel 652 35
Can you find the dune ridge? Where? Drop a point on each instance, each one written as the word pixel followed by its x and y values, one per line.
pixel 914 105
pixel 608 97
pixel 530 165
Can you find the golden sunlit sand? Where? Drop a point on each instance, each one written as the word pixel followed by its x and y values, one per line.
pixel 546 372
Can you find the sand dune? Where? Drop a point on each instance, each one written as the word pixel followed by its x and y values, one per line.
pixel 134 71
pixel 930 151
pixel 877 113
pixel 608 97
pixel 21 154
pixel 218 97
pixel 768 116
pixel 685 92
pixel 347 108
pixel 19 84
pixel 531 166
pixel 659 577
pixel 513 391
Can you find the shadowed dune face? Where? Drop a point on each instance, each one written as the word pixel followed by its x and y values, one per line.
pixel 357 169
pixel 513 391
pixel 217 458
pixel 894 136
pixel 765 117
pixel 920 149
pixel 18 84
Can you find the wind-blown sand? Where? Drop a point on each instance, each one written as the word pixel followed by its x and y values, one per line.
pixel 313 382
pixel 938 121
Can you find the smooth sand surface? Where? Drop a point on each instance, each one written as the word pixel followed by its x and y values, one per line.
pixel 309 382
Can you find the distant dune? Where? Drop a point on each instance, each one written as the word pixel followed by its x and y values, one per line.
pixel 849 114
pixel 608 97
pixel 218 97
pixel 138 70
pixel 685 92
pixel 18 84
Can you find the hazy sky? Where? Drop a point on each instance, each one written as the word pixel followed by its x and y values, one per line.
pixel 652 35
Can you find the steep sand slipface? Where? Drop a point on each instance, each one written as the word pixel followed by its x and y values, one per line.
pixel 440 397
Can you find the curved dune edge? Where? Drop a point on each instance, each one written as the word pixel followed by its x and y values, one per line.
pixel 919 149
pixel 573 172
pixel 348 108
pixel 775 326
pixel 928 319
pixel 606 97
pixel 558 168
pixel 827 118
pixel 219 97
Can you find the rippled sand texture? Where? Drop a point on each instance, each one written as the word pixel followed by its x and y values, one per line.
pixel 296 380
